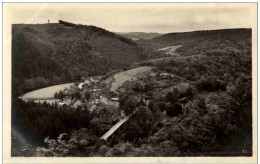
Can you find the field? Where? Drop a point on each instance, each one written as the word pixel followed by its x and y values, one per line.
pixel 46 92
pixel 122 77
pixel 170 50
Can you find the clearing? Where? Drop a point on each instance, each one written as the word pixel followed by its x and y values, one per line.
pixel 171 50
pixel 47 92
pixel 124 76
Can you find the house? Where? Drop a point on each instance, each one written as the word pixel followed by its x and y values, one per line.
pixel 61 103
pixel 106 118
pixel 111 105
pixel 96 80
pixel 87 82
pixel 115 99
pixel 166 75
pixel 67 101
pixel 117 116
pixel 80 85
pixel 106 124
pixel 96 101
pixel 92 80
pixel 104 100
pixel 103 113
pixel 77 103
pixel 96 89
pixel 91 107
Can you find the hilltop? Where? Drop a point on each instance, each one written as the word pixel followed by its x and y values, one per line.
pixel 45 54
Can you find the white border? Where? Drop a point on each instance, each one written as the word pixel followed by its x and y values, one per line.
pixel 128 159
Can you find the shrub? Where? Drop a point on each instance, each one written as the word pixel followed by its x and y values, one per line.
pixel 174 110
pixel 172 96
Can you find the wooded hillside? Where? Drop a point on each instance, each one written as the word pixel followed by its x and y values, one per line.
pixel 46 54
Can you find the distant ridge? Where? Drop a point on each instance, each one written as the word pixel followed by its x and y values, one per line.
pixel 140 35
pixel 198 41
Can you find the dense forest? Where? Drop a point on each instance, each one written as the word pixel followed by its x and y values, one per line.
pixel 210 116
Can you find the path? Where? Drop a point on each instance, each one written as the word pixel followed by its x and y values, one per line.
pixel 114 128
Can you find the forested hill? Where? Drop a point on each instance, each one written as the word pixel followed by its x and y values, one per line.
pixel 45 54
pixel 199 41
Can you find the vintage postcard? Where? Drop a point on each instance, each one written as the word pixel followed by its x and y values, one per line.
pixel 130 82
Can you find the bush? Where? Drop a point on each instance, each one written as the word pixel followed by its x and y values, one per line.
pixel 172 96
pixel 174 110
pixel 211 84
pixel 161 105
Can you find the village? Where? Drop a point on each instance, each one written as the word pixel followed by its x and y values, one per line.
pixel 88 95
pixel 94 94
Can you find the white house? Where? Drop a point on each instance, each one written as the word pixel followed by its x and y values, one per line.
pixel 77 103
pixel 80 85
pixel 61 103
pixel 96 89
pixel 96 101
pixel 114 99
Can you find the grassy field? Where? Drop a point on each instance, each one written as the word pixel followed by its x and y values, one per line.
pixel 124 76
pixel 46 92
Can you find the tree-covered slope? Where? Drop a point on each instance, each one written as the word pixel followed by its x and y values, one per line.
pixel 202 41
pixel 45 54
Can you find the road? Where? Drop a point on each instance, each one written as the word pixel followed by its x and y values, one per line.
pixel 114 128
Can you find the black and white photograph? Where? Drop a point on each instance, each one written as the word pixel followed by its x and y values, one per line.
pixel 132 79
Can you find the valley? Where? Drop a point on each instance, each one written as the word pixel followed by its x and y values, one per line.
pixel 163 95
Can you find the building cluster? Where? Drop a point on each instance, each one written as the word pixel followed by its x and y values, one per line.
pixel 105 108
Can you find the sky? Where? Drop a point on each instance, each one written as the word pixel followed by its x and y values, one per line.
pixel 132 17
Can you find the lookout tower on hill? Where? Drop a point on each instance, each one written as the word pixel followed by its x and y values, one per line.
pixel 48 21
